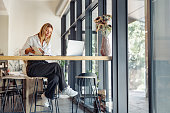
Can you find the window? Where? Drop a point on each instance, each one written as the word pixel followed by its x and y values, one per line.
pixel 94 41
pixel 75 10
pixel 68 20
pixel 83 38
pixel 83 5
pixel 109 12
pixel 89 35
pixel 137 88
pixel 160 56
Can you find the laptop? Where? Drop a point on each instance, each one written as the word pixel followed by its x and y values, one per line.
pixel 75 48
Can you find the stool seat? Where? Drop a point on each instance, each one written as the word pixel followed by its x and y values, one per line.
pixel 39 78
pixel 93 76
pixel 18 77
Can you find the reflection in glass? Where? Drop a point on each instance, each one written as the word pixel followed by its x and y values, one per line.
pixel 68 20
pixel 109 100
pixel 67 62
pixel 161 55
pixel 137 88
pixel 94 41
pixel 75 10
pixel 83 5
pixel 83 38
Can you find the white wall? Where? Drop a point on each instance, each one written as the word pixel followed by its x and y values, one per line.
pixel 4 34
pixel 26 18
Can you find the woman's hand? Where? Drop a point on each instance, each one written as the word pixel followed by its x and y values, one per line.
pixel 31 50
pixel 41 51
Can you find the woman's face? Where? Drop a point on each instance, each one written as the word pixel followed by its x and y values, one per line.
pixel 48 32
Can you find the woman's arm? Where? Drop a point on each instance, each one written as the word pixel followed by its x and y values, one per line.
pixel 27 47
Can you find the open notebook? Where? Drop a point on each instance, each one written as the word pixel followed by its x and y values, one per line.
pixel 75 48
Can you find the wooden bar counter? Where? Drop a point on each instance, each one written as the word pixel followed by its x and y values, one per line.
pixel 28 83
pixel 55 57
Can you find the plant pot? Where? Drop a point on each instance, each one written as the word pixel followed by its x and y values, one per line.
pixel 105 49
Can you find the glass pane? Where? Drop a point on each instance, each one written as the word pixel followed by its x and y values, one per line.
pixel 138 96
pixel 109 100
pixel 68 20
pixel 161 55
pixel 94 41
pixel 75 10
pixel 83 5
pixel 83 38
pixel 67 62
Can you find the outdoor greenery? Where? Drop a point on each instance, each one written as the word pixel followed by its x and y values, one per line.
pixel 136 55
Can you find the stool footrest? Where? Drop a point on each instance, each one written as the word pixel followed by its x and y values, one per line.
pixel 40 105
pixel 88 95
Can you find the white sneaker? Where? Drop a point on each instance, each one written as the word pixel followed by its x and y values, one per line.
pixel 45 100
pixel 69 91
pixel 63 96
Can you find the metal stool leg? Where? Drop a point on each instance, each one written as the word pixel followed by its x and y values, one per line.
pixel 4 98
pixel 51 105
pixel 97 99
pixel 84 80
pixel 20 96
pixel 56 104
pixel 79 93
pixel 35 101
pixel 72 103
pixel 33 95
pixel 56 100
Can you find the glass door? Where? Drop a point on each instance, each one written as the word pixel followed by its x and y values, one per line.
pixel 137 57
pixel 160 56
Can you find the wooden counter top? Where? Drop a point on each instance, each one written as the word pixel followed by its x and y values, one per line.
pixel 55 57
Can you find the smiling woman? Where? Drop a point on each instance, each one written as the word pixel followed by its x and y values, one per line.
pixel 41 68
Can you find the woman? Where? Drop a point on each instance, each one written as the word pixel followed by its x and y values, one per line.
pixel 41 68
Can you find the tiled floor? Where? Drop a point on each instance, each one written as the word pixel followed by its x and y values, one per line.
pixel 65 106
pixel 138 103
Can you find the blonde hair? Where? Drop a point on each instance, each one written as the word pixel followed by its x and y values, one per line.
pixel 41 34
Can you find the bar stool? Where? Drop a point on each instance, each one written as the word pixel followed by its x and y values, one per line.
pixel 35 96
pixel 12 91
pixel 85 80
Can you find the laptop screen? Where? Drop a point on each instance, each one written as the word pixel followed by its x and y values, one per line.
pixel 75 48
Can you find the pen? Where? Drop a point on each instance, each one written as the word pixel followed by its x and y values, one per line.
pixel 31 48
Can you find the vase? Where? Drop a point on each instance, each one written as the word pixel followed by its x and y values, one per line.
pixel 105 49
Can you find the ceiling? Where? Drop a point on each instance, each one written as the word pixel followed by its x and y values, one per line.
pixel 2 7
pixel 135 8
